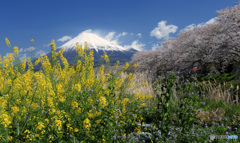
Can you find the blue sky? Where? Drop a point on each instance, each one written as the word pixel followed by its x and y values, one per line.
pixel 141 23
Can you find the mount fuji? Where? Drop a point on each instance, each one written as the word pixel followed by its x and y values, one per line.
pixel 96 43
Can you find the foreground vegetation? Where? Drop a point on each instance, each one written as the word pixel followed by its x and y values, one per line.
pixel 77 105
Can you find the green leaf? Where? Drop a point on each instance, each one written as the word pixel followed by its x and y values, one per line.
pixel 18 130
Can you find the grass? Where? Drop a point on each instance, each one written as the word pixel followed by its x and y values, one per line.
pixel 67 105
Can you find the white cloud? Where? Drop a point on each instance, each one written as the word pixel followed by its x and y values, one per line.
pixel 88 31
pixel 40 52
pixel 190 27
pixel 20 50
pixel 64 38
pixel 114 39
pixel 139 35
pixel 46 45
pixel 163 30
pixel 29 49
pixel 155 46
pixel 24 56
pixel 109 36
pixel 135 45
pixel 212 21
pixel 193 26
pixel 115 42
pixel 121 34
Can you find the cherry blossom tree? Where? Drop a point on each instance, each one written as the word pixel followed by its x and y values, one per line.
pixel 210 48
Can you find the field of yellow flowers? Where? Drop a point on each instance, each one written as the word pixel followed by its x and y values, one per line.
pixel 80 106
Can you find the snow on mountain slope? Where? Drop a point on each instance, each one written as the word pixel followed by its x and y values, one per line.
pixel 94 42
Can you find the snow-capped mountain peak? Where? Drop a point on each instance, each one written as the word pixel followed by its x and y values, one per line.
pixel 94 42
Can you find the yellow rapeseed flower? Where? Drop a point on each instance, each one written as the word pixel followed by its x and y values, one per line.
pixel 62 99
pixel 124 101
pixel 87 124
pixel 10 138
pixel 27 131
pixel 103 101
pixel 74 104
pixel 40 125
pixel 130 85
pixel 138 129
pixel 145 83
pixel 15 109
pixel 51 137
pixel 75 130
pixel 130 77
pixel 149 96
pixel 15 50
pixel 98 121
pixel 135 65
pixel 105 57
pixel 126 66
pixel 79 50
pixel 5 120
pixel 46 121
pixel 77 87
pixel 154 127
pixel 85 46
pixel 143 104
pixel 58 124
pixel 136 95
pixel 7 41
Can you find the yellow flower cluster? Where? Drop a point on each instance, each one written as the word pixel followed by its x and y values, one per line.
pixel 52 96
pixel 74 104
pixel 126 66
pixel 87 124
pixel 103 101
pixel 40 125
pixel 105 57
pixel 15 109
pixel 5 120
pixel 135 65
pixel 7 41
pixel 15 50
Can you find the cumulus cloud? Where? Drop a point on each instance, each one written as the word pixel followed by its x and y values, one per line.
pixel 212 21
pixel 88 31
pixel 46 45
pixel 135 45
pixel 109 36
pixel 121 34
pixel 24 56
pixel 40 52
pixel 20 50
pixel 64 38
pixel 139 35
pixel 29 49
pixel 155 46
pixel 112 38
pixel 163 30
pixel 193 26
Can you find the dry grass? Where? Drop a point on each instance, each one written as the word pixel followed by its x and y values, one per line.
pixel 215 92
